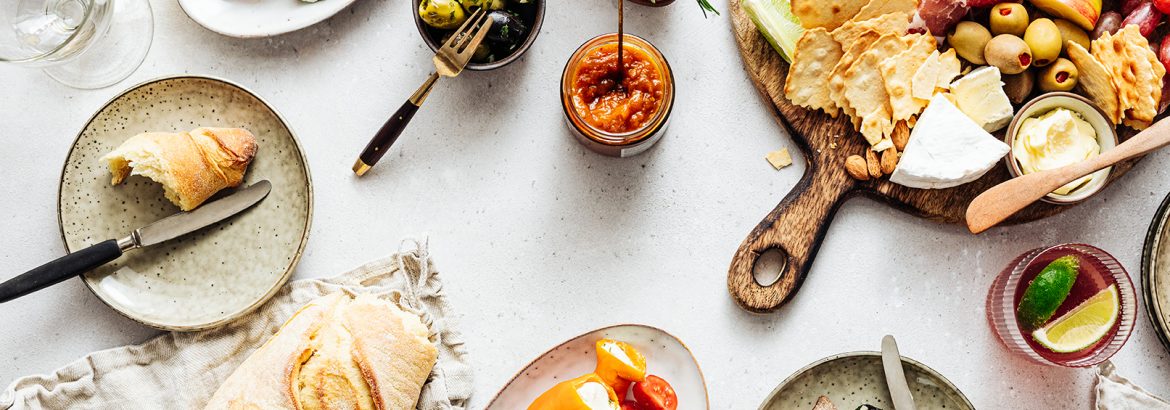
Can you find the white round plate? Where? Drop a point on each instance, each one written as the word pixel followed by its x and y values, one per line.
pixel 666 357
pixel 214 275
pixel 259 18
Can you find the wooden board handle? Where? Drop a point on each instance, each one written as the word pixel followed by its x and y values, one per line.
pixel 796 228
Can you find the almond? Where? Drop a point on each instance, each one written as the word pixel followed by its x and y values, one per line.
pixel 889 160
pixel 901 135
pixel 873 164
pixel 856 167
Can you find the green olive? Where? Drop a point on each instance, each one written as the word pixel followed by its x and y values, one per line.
pixel 1008 53
pixel 1009 18
pixel 484 4
pixel 1060 76
pixel 1043 38
pixel 442 14
pixel 1069 31
pixel 968 39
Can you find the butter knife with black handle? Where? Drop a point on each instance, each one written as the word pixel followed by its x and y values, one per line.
pixel 171 227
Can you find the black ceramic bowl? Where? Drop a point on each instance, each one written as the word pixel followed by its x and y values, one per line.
pixel 534 17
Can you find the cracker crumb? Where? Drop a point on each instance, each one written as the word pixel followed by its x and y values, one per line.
pixel 779 159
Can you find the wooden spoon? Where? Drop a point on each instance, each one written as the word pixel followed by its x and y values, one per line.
pixel 1001 201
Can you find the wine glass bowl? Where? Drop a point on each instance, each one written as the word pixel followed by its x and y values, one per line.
pixel 80 43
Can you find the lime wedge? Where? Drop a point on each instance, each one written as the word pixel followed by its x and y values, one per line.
pixel 1083 326
pixel 776 22
pixel 1047 291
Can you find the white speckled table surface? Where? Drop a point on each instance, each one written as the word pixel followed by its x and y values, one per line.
pixel 540 239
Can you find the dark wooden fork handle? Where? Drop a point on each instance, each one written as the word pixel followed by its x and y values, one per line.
pixel 385 137
pixel 393 127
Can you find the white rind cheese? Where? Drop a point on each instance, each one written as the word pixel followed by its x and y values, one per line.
pixel 946 149
pixel 980 95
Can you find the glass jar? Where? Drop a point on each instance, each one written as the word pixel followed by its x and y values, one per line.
pixel 650 80
pixel 1098 271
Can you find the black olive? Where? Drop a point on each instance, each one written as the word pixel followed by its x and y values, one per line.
pixel 507 29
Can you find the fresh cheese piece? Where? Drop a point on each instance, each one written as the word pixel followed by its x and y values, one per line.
pixel 594 396
pixel 947 148
pixel 980 95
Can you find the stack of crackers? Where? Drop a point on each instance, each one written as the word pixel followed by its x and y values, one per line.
pixel 867 66
pixel 1122 76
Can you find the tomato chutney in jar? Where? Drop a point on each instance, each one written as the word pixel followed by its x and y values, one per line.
pixel 616 113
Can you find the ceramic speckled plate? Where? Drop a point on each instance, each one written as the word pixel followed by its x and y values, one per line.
pixel 666 357
pixel 1156 273
pixel 209 277
pixel 853 379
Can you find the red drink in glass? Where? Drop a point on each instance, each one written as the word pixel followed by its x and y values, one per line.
pixel 1098 271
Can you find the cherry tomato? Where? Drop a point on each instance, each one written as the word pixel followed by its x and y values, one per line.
pixel 655 394
pixel 631 405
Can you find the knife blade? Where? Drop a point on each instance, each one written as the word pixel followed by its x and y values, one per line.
pixel 165 229
pixel 895 375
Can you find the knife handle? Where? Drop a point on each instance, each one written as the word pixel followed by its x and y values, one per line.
pixel 55 272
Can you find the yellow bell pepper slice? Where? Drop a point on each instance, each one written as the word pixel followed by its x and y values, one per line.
pixel 582 393
pixel 619 364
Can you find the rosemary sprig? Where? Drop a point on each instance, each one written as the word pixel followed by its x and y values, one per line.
pixel 706 6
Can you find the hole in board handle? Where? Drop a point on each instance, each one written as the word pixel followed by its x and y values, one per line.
pixel 769 266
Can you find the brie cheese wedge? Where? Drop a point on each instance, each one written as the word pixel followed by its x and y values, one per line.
pixel 947 148
pixel 980 95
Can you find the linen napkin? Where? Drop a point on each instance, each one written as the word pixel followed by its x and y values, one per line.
pixel 183 370
pixel 1118 393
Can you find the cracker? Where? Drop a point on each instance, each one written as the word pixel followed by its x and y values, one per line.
pixel 1095 81
pixel 807 83
pixel 1140 61
pixel 779 159
pixel 828 14
pixel 893 23
pixel 865 88
pixel 898 72
pixel 949 67
pixel 926 77
pixel 878 8
pixel 836 83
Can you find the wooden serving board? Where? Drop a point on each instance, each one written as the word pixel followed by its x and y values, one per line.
pixel 798 224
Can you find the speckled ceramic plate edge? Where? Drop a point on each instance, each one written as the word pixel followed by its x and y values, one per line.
pixel 706 394
pixel 772 396
pixel 1150 292
pixel 300 247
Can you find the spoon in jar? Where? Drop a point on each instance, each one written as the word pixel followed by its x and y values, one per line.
pixel 1001 201
pixel 621 72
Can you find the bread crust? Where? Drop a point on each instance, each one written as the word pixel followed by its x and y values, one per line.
pixel 191 166
pixel 387 348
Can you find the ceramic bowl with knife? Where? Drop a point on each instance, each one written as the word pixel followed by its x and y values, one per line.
pixel 213 275
pixel 850 380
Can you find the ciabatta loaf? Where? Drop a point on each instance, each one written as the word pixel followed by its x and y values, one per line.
pixel 191 166
pixel 336 352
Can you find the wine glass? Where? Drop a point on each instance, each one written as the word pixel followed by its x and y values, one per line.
pixel 80 43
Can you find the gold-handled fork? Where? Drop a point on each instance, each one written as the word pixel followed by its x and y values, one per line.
pixel 449 62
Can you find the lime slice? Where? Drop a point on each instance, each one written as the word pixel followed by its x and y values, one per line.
pixel 776 22
pixel 1083 326
pixel 1047 291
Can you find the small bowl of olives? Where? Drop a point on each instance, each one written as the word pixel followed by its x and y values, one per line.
pixel 515 25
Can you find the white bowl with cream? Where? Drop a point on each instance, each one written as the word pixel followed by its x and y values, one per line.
pixel 1059 129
